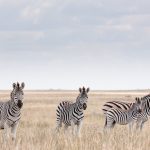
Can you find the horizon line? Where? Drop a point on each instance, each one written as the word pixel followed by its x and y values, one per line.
pixel 60 89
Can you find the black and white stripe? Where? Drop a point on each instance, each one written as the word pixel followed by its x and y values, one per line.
pixel 10 111
pixel 122 117
pixel 146 111
pixel 71 114
pixel 116 104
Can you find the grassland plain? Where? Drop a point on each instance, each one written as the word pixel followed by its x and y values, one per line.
pixel 36 129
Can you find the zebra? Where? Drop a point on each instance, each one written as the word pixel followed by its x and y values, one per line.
pixel 123 117
pixel 10 111
pixel 71 114
pixel 140 118
pixel 146 111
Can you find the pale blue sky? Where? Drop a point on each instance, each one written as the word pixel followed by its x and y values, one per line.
pixel 65 44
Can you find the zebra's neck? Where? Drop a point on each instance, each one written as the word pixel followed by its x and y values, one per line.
pixel 132 112
pixel 77 112
pixel 14 107
pixel 13 112
pixel 78 107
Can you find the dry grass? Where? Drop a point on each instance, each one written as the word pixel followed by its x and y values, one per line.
pixel 37 124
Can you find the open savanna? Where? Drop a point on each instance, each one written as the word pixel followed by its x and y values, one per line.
pixel 37 125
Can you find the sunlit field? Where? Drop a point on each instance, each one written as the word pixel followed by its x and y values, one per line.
pixel 37 125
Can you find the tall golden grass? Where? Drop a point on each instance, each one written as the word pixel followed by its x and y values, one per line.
pixel 37 125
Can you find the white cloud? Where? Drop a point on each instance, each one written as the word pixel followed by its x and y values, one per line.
pixel 119 27
pixel 21 35
pixel 30 13
pixel 136 19
pixel 11 2
pixel 34 10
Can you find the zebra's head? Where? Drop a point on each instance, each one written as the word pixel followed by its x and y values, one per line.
pixel 83 97
pixel 17 94
pixel 138 104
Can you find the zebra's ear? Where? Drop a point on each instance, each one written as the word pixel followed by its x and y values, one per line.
pixel 138 100
pixel 87 90
pixel 80 90
pixel 14 85
pixel 22 85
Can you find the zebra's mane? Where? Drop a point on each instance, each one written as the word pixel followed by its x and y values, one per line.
pixel 78 97
pixel 18 87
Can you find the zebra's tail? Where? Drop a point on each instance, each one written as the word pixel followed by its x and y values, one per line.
pixel 104 111
pixel 105 123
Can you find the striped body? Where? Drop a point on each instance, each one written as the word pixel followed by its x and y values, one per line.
pixel 119 116
pixel 71 114
pixel 122 117
pixel 9 113
pixel 68 112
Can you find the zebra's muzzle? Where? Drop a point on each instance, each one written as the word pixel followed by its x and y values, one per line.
pixel 140 110
pixel 84 106
pixel 20 103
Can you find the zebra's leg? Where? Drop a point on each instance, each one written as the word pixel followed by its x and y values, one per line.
pixel 141 125
pixel 138 124
pixel 13 131
pixel 65 128
pixel 6 132
pixel 142 122
pixel 59 125
pixel 131 126
pixel 109 124
pixel 79 125
pixel 73 127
